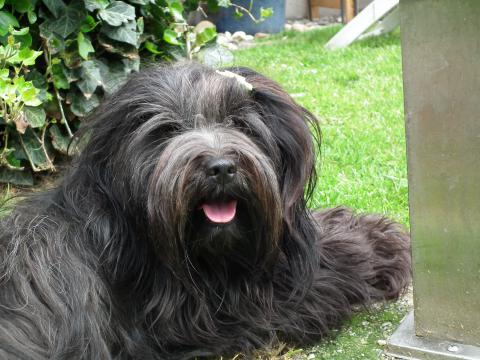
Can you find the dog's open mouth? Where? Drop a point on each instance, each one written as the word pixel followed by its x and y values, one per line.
pixel 220 211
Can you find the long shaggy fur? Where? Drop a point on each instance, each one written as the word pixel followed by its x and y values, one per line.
pixel 119 262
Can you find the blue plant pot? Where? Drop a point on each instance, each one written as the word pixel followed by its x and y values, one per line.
pixel 225 19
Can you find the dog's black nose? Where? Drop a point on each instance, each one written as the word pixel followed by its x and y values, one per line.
pixel 221 169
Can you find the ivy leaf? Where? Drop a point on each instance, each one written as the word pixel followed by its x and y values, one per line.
pixel 35 116
pixel 266 12
pixel 224 3
pixel 117 13
pixel 140 25
pixel 115 79
pixel 141 2
pixel 115 73
pixel 22 6
pixel 152 47
pixel 116 47
pixel 212 6
pixel 176 9
pixel 7 20
pixel 32 17
pixel 15 146
pixel 131 65
pixel 170 37
pixel 54 42
pixel 23 178
pixel 71 58
pixel 29 56
pixel 89 24
pixel 2 2
pixel 39 81
pixel 8 91
pixel 12 160
pixel 90 78
pixel 23 37
pixel 4 74
pixel 22 31
pixel 30 98
pixel 80 105
pixel 69 21
pixel 126 33
pixel 60 142
pixel 206 35
pixel 56 7
pixel 27 93
pixel 70 75
pixel 92 5
pixel 238 14
pixel 20 84
pixel 60 80
pixel 25 56
pixel 35 151
pixel 84 46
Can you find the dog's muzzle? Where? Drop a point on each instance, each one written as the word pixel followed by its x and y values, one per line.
pixel 221 170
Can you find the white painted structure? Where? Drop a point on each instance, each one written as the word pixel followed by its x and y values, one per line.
pixel 369 17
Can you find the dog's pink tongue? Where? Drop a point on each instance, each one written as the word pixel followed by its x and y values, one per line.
pixel 220 212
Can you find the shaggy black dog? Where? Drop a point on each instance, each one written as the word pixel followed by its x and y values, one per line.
pixel 182 230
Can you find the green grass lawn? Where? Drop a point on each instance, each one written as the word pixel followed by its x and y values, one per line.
pixel 357 95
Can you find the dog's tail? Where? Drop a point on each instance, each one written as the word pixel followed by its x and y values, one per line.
pixel 372 252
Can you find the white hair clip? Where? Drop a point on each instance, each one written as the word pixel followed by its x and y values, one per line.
pixel 241 80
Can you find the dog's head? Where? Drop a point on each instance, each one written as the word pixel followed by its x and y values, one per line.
pixel 208 169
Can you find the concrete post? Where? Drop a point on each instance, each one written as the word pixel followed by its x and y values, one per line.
pixel 441 70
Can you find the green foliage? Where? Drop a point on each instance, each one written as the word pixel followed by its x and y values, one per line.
pixel 20 110
pixel 59 58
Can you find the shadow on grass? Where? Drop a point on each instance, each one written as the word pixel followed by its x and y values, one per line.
pixel 391 39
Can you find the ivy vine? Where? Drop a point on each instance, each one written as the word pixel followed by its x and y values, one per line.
pixel 58 59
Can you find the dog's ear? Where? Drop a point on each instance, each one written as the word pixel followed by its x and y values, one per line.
pixel 296 132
